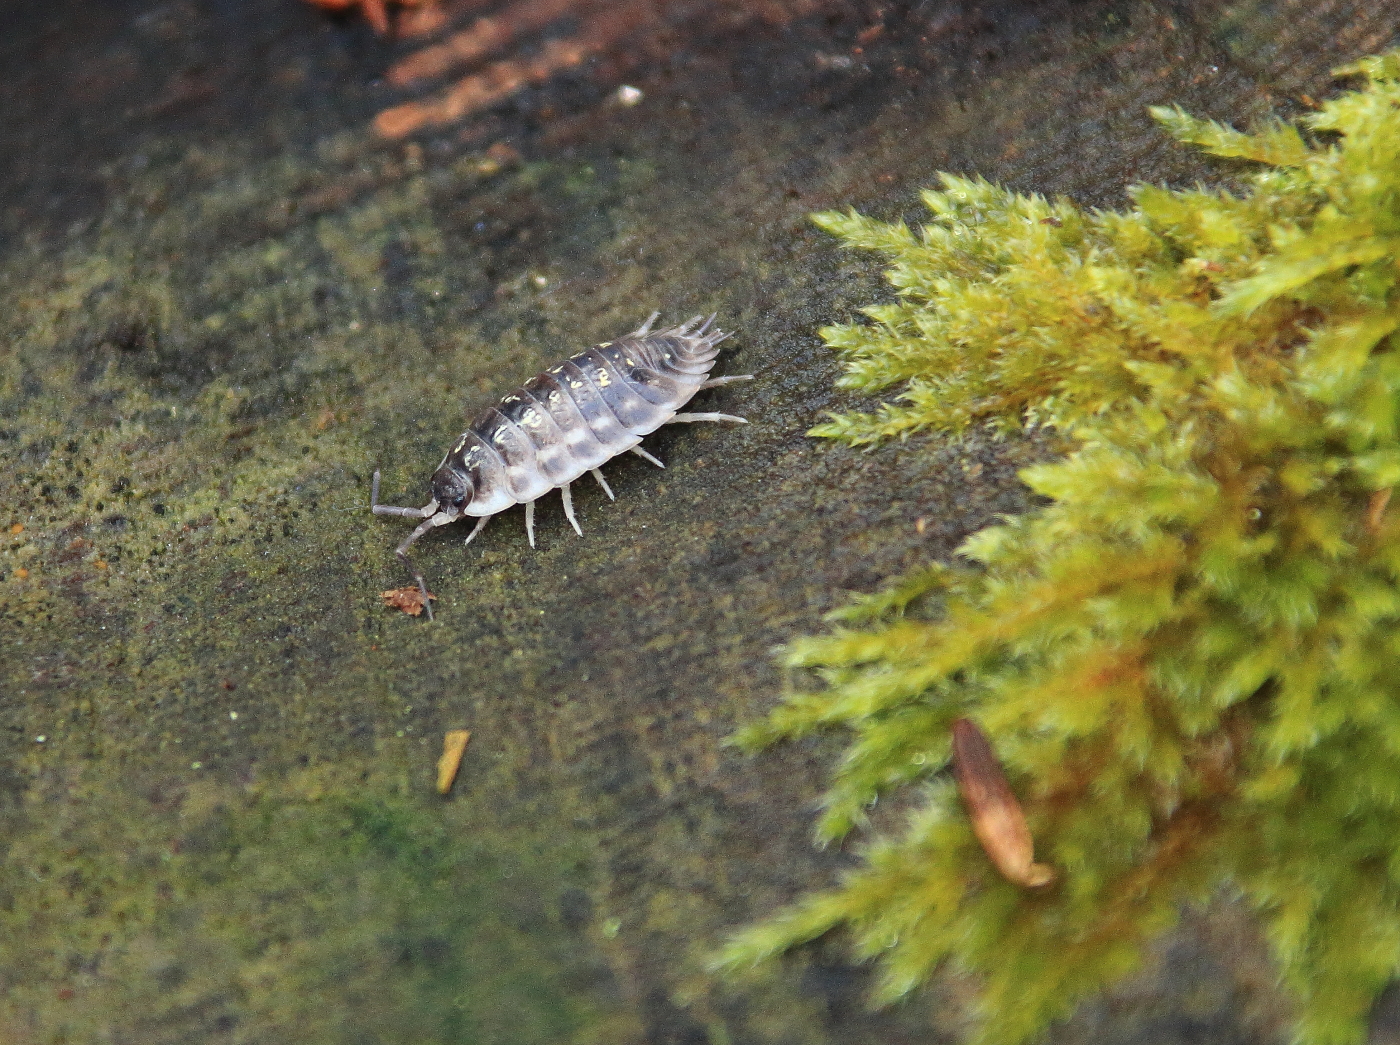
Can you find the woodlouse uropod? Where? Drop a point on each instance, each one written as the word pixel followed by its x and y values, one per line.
pixel 570 419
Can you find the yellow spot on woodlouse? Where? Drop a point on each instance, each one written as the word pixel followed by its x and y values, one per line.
pixel 454 745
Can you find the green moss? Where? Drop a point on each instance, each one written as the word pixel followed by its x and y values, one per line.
pixel 1187 658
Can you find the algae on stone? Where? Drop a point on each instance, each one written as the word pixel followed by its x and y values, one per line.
pixel 334 906
pixel 1187 658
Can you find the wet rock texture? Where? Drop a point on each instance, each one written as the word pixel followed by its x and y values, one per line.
pixel 225 299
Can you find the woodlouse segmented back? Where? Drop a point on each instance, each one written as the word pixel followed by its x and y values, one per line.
pixel 570 419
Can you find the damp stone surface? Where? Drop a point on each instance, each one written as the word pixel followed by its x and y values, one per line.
pixel 225 301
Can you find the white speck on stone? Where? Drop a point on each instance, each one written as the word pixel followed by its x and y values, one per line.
pixel 628 95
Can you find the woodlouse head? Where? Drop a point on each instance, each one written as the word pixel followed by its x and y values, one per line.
pixel 451 490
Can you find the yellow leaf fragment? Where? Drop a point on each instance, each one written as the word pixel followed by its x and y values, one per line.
pixel 454 745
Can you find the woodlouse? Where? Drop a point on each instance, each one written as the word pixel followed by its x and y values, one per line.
pixel 570 419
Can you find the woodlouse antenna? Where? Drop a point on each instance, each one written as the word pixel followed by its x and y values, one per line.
pixel 402 552
pixel 387 509
pixel 431 517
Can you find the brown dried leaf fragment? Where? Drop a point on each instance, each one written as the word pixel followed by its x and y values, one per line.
pixel 454 744
pixel 485 37
pixel 376 12
pixel 1375 510
pixel 500 47
pixel 480 91
pixel 996 816
pixel 409 599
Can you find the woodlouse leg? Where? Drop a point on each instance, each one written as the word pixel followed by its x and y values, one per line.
pixel 530 522
pixel 569 508
pixel 646 456
pixel 439 519
pixel 479 527
pixel 385 509
pixel 431 519
pixel 645 328
pixel 715 382
pixel 418 578
pixel 684 418
pixel 603 483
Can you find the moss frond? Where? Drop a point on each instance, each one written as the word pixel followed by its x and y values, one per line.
pixel 1188 660
pixel 1278 144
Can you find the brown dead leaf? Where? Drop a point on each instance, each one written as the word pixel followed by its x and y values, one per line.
pixel 1375 510
pixel 996 816
pixel 409 599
